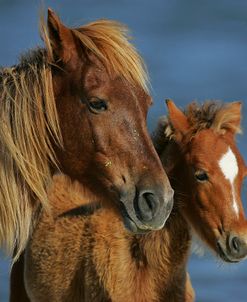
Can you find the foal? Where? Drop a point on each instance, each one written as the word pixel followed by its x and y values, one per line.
pixel 86 254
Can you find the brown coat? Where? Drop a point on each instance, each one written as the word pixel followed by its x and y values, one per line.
pixel 93 257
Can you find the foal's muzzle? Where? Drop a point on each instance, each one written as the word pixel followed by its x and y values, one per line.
pixel 234 249
pixel 148 210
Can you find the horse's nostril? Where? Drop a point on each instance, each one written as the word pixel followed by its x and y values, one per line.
pixel 151 202
pixel 146 206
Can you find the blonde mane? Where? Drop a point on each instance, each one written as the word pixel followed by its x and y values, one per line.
pixel 109 41
pixel 29 123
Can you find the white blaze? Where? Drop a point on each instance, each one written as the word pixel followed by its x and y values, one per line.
pixel 229 167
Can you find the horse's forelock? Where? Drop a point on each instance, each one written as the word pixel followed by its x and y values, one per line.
pixel 109 41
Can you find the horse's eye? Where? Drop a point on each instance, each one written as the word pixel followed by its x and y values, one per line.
pixel 201 176
pixel 97 105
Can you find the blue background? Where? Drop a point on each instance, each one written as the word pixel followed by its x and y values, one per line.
pixel 194 49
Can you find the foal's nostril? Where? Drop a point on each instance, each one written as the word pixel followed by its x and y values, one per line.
pixel 237 247
pixel 146 206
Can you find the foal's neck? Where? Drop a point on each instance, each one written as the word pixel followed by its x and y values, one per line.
pixel 175 235
pixel 173 161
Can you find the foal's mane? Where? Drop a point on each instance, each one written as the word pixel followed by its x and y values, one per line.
pixel 212 114
pixel 29 122
pixel 209 115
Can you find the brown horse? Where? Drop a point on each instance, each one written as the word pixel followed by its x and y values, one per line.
pixel 79 106
pixel 85 253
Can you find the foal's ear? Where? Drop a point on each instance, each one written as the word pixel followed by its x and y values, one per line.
pixel 178 120
pixel 63 41
pixel 245 171
pixel 228 120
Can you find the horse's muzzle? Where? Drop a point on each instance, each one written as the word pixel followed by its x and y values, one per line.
pixel 148 211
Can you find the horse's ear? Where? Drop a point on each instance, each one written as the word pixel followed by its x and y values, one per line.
pixel 178 120
pixel 228 120
pixel 63 41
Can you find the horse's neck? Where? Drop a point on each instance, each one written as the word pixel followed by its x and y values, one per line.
pixel 175 236
pixel 143 261
pixel 65 195
pixel 68 197
pixel 136 264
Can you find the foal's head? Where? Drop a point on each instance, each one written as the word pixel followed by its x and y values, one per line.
pixel 211 171
pixel 102 101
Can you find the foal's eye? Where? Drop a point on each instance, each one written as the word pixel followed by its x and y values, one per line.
pixel 97 105
pixel 201 176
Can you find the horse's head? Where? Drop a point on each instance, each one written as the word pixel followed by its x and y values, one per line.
pixel 212 171
pixel 102 103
